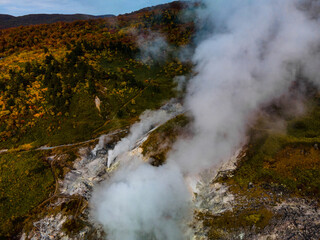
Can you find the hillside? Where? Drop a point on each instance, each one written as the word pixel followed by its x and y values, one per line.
pixel 8 21
pixel 65 83
pixel 89 102
pixel 72 60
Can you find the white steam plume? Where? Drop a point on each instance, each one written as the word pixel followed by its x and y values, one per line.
pixel 148 120
pixel 152 47
pixel 103 139
pixel 252 55
pixel 143 202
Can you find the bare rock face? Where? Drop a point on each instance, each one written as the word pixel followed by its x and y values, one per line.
pixel 56 227
pixel 211 198
pixel 296 219
pixel 49 228
pixel 87 173
pixel 284 217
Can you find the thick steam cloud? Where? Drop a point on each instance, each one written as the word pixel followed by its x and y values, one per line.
pixel 152 47
pixel 148 120
pixel 256 51
pixel 143 202
pixel 253 53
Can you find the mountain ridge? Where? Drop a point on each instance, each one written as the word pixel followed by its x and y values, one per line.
pixel 9 21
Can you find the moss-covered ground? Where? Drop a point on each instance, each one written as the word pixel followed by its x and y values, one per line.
pixel 290 160
pixel 26 180
pixel 220 227
pixel 160 141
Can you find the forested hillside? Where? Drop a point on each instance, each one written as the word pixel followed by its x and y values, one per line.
pixel 52 74
pixel 8 21
pixel 64 83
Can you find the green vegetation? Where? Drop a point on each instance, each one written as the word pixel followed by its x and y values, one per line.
pixel 160 140
pixel 26 181
pixel 289 162
pixel 221 226
pixel 65 83
pixel 27 184
pixel 66 112
pixel 69 82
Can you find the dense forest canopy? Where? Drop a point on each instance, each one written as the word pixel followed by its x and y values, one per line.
pixel 47 69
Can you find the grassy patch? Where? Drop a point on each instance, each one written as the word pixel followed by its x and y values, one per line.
pixel 133 88
pixel 306 126
pixel 26 180
pixel 160 140
pixel 219 227
pixel 289 161
pixel 78 126
pixel 295 167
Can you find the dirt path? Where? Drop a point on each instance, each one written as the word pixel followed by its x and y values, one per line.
pixel 66 145
pixel 43 148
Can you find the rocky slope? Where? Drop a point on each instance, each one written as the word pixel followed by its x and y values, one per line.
pixel 66 214
pixel 221 211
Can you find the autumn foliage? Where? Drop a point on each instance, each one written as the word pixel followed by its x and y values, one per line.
pixel 46 69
